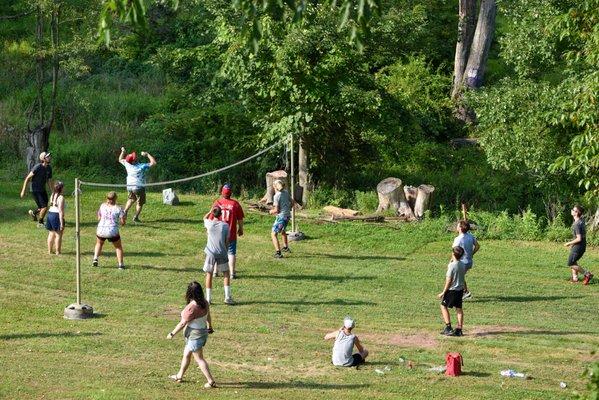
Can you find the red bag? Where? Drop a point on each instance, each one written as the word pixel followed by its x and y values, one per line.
pixel 453 362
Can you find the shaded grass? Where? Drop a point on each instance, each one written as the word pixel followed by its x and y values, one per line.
pixel 524 315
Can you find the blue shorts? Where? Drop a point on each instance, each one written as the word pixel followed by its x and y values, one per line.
pixel 232 249
pixel 194 345
pixel 280 224
pixel 53 222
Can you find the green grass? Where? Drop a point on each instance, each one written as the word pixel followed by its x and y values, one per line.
pixel 524 314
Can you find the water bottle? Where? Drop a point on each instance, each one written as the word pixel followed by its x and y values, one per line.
pixel 510 373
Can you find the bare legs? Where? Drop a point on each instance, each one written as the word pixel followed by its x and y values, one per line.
pixel 55 241
pixel 138 208
pixel 447 318
pixel 275 240
pixel 202 364
pixel 118 246
pixel 232 259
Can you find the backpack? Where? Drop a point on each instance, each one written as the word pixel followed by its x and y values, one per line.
pixel 454 362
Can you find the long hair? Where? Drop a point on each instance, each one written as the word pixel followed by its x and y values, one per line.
pixel 58 187
pixel 195 292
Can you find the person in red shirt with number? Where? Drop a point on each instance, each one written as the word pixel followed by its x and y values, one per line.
pixel 232 214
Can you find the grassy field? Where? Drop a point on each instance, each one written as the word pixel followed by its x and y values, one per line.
pixel 524 314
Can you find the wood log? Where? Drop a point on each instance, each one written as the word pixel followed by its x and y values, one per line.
pixel 391 194
pixel 365 218
pixel 340 212
pixel 270 178
pixel 411 193
pixel 423 200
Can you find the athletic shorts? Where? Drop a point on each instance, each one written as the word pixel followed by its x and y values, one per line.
pixel 138 195
pixel 53 222
pixel 452 298
pixel 194 345
pixel 222 265
pixel 232 249
pixel 280 224
pixel 576 252
pixel 41 199
pixel 357 359
pixel 110 239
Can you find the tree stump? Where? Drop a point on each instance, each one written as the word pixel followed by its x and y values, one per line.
pixel 411 193
pixel 270 191
pixel 423 199
pixel 391 194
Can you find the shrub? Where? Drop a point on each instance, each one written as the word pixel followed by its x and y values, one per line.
pixel 366 202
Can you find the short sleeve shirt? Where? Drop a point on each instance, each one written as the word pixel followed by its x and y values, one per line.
pixel 457 272
pixel 231 213
pixel 578 228
pixel 41 175
pixel 136 174
pixel 217 235
pixel 108 226
pixel 466 241
pixel 282 200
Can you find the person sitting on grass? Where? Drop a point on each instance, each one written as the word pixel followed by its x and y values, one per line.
pixel 578 246
pixel 55 220
pixel 345 341
pixel 282 203
pixel 109 216
pixel 452 292
pixel 216 252
pixel 468 242
pixel 195 318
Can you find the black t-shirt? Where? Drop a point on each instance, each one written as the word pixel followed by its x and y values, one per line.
pixel 578 228
pixel 41 174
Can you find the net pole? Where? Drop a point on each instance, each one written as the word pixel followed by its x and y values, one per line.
pixel 77 241
pixel 292 186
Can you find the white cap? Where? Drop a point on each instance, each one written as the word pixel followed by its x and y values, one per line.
pixel 348 322
pixel 43 155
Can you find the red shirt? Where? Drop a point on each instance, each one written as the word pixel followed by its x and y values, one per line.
pixel 231 213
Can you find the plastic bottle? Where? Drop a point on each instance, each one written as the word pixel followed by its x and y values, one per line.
pixel 510 373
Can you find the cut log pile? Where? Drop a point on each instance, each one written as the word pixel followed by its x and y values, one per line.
pixel 270 190
pixel 409 202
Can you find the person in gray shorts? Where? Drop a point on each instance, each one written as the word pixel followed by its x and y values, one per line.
pixel 216 252
pixel 345 341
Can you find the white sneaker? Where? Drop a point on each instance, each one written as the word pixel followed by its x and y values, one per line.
pixel 466 295
pixel 229 301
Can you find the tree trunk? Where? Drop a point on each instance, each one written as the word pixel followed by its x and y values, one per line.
pixel 37 141
pixel 411 193
pixel 270 191
pixel 466 26
pixel 423 200
pixel 391 194
pixel 303 172
pixel 481 43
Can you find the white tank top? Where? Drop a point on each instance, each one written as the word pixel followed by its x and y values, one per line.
pixel 54 203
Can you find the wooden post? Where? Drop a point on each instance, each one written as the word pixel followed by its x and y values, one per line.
pixel 77 241
pixel 292 186
pixel 464 212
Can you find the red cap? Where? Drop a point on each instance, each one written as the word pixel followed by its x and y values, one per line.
pixel 226 190
pixel 130 158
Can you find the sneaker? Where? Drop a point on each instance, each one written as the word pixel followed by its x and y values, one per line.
pixel 95 262
pixel 466 295
pixel 229 301
pixel 587 278
pixel 233 276
pixel 447 331
pixel 136 220
pixel 278 255
pixel 121 266
pixel 41 224
pixel 286 249
pixel 33 215
pixel 457 332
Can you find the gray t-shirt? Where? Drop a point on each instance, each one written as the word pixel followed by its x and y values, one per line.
pixel 218 231
pixel 342 349
pixel 282 199
pixel 466 241
pixel 457 272
pixel 578 228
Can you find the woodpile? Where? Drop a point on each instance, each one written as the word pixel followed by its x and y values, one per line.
pixel 270 190
pixel 409 202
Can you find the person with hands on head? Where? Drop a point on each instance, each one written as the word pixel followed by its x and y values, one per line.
pixel 345 341
pixel 196 320
pixel 40 176
pixel 136 179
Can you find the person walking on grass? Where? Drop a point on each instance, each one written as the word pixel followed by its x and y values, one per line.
pixel 110 215
pixel 55 220
pixel 40 176
pixel 282 203
pixel 136 179
pixel 451 296
pixel 578 246
pixel 468 242
pixel 232 214
pixel 195 318
pixel 216 252
pixel 343 348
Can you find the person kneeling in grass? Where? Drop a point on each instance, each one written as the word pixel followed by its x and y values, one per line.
pixel 452 292
pixel 195 318
pixel 345 341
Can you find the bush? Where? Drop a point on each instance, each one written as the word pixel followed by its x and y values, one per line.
pixel 366 202
pixel 324 196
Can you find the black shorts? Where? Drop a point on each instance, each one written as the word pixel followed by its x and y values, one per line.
pixel 357 359
pixel 138 195
pixel 111 240
pixel 452 298
pixel 576 252
pixel 41 199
